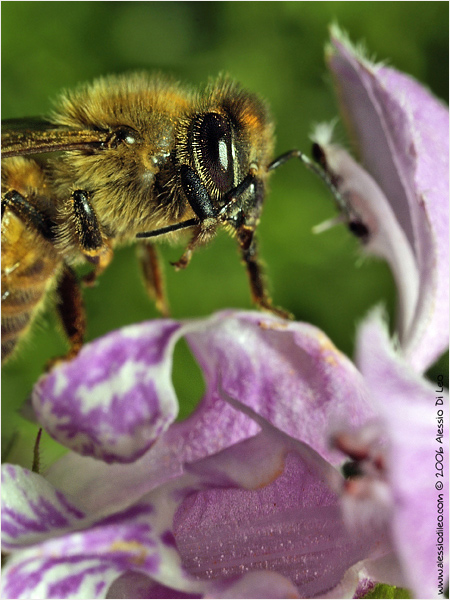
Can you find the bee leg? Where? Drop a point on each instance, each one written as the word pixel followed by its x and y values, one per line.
pixel 92 243
pixel 258 286
pixel 202 235
pixel 185 259
pixel 153 277
pixel 100 262
pixel 26 212
pixel 71 311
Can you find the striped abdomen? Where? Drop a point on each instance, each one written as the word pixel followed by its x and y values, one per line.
pixel 29 267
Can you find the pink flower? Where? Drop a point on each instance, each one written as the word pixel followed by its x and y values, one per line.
pixel 246 484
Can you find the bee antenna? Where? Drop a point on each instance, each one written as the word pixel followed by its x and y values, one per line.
pixel 319 169
pixel 168 229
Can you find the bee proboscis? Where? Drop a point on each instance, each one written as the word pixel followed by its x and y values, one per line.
pixel 127 157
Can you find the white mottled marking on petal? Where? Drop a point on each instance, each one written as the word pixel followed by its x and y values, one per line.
pixel 117 384
pixel 60 382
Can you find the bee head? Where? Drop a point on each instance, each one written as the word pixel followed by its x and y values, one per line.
pixel 224 147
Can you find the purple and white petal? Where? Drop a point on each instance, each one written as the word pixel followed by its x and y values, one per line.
pixel 136 539
pixel 28 576
pixel 401 132
pixel 283 371
pixel 116 397
pixel 32 509
pixel 408 407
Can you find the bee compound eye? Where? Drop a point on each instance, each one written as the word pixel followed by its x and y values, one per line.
pixel 216 150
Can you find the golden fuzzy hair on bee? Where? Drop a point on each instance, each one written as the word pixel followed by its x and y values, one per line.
pixel 125 157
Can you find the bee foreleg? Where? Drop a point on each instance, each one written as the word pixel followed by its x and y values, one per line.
pixel 100 262
pixel 87 227
pixel 153 277
pixel 93 244
pixel 258 286
pixel 202 235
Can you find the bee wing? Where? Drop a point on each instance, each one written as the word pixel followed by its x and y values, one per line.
pixel 35 136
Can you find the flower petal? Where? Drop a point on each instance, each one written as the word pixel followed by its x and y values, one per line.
pixel 292 526
pixel 116 397
pixel 258 584
pixel 409 408
pixel 28 576
pixel 385 238
pixel 32 508
pixel 289 373
pixel 402 134
pixel 85 562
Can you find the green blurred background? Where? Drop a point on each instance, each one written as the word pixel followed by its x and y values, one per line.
pixel 273 48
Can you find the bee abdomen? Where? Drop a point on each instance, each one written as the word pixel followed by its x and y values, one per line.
pixel 29 267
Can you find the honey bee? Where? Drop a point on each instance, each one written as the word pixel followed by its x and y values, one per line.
pixel 127 158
